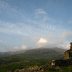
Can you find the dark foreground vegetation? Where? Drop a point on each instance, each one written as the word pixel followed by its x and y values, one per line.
pixel 33 61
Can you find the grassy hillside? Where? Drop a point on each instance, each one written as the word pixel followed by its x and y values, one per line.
pixel 29 58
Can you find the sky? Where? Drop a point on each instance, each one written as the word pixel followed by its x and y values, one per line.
pixel 26 24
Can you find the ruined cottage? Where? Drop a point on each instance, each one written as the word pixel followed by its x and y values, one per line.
pixel 67 59
pixel 68 53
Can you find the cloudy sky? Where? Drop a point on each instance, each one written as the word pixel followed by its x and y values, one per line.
pixel 26 24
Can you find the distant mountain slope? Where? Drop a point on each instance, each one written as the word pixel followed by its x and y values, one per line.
pixel 37 53
pixel 47 53
pixel 45 50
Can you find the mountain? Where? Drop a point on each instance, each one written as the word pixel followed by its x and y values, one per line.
pixel 49 53
pixel 37 53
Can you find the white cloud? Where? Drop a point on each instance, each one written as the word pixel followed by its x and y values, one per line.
pixel 15 28
pixel 48 36
pixel 60 40
pixel 17 48
pixel 41 42
pixel 37 28
pixel 10 10
pixel 4 6
pixel 40 12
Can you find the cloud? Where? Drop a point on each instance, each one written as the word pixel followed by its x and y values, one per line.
pixel 40 12
pixel 9 28
pixel 11 12
pixel 18 48
pixel 25 29
pixel 67 33
pixel 4 6
pixel 46 35
pixel 41 42
pixel 61 39
pixel 16 28
pixel 42 27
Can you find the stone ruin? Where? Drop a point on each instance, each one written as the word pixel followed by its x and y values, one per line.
pixel 67 59
pixel 68 53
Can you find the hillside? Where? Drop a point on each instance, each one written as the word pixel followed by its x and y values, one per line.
pixel 47 53
pixel 23 59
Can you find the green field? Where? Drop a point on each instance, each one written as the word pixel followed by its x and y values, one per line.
pixel 37 60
